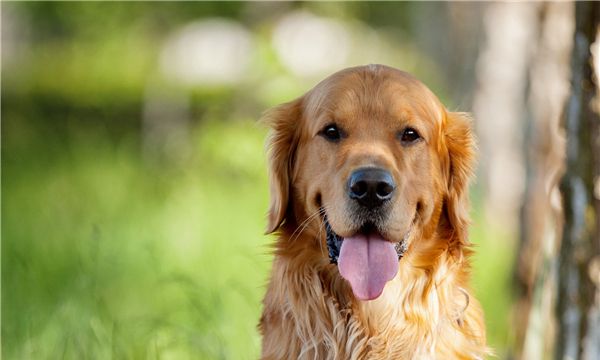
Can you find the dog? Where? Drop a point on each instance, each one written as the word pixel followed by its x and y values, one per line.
pixel 369 176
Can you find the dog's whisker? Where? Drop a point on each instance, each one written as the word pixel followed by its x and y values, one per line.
pixel 301 227
pixel 308 219
pixel 299 231
pixel 304 224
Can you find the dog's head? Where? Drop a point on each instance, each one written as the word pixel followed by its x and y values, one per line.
pixel 371 154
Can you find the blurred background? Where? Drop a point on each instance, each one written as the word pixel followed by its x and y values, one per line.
pixel 134 185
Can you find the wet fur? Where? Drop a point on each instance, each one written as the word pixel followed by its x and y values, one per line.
pixel 310 311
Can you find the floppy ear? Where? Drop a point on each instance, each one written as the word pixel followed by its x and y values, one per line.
pixel 282 142
pixel 462 152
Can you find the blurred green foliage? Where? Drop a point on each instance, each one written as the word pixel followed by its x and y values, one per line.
pixel 103 257
pixel 106 254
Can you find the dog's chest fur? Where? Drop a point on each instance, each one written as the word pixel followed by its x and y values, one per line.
pixel 408 321
pixel 397 329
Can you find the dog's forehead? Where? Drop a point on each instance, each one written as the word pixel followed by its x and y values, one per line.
pixel 361 96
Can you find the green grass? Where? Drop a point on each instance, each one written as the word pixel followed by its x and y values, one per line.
pixel 107 257
pixel 492 280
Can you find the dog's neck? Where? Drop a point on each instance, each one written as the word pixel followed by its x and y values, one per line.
pixel 421 306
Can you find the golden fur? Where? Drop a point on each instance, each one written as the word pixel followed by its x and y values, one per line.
pixel 310 311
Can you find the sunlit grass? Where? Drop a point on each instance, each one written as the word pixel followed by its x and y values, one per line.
pixel 492 280
pixel 106 257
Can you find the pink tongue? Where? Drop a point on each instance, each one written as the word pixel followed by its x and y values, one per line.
pixel 368 262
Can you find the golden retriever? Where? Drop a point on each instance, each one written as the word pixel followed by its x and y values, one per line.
pixel 369 176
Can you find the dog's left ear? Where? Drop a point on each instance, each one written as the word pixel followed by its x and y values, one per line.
pixel 282 143
pixel 462 152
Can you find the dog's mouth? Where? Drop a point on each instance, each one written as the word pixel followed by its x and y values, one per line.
pixel 334 241
pixel 366 259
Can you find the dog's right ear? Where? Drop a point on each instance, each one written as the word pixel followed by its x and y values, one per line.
pixel 282 143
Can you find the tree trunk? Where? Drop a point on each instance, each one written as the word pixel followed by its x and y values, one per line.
pixel 577 306
pixel 541 213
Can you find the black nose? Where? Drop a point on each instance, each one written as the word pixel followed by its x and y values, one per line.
pixel 371 187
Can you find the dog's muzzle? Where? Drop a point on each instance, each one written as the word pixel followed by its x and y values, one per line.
pixel 334 243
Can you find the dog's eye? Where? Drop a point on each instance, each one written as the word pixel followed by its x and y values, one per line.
pixel 331 132
pixel 410 135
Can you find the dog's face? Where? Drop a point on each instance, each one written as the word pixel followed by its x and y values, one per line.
pixel 371 151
